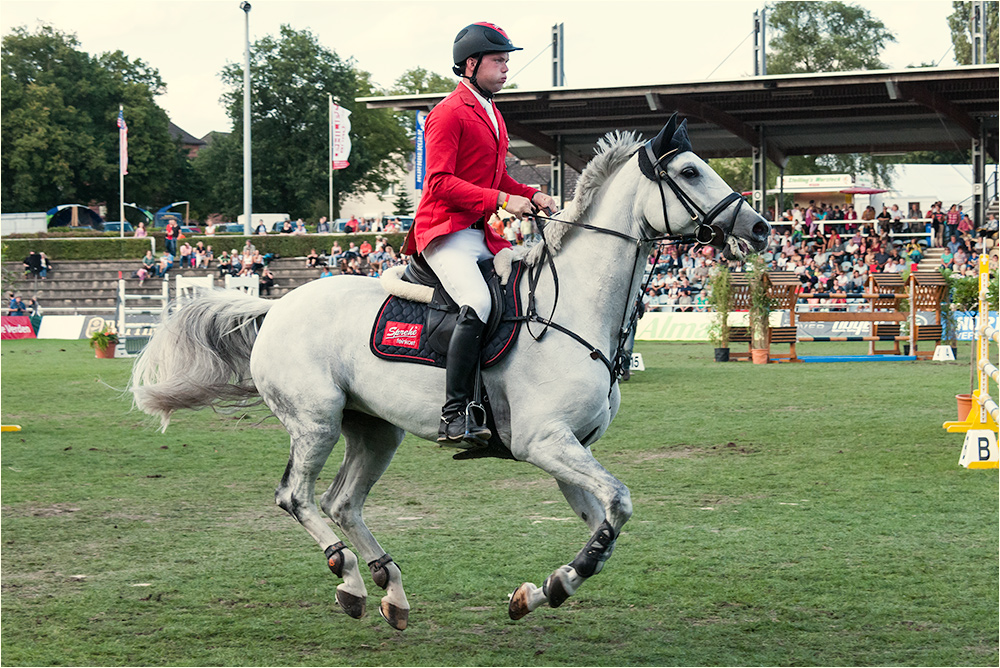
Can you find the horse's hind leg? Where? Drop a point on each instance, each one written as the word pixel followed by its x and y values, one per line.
pixel 371 444
pixel 312 442
pixel 599 498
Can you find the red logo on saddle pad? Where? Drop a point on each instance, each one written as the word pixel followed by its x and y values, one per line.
pixel 402 334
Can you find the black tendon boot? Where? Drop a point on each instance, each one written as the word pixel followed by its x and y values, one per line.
pixel 459 426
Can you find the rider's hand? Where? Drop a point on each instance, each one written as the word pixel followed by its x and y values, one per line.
pixel 543 201
pixel 520 206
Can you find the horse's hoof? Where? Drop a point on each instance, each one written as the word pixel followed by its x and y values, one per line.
pixel 396 616
pixel 353 605
pixel 519 602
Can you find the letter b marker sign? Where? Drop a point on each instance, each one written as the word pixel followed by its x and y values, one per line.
pixel 979 450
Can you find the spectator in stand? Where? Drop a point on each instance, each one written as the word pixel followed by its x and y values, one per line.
pixel 266 281
pixel 951 221
pixel 336 253
pixel 324 226
pixel 300 227
pixel 287 228
pixel 15 306
pixel 965 225
pixel 261 229
pixel 35 312
pixel 186 255
pixel 33 265
pixel 897 218
pixel 224 264
pixel 327 271
pixel 210 229
pixel 140 231
pixel 365 249
pixel 147 267
pixel 954 243
pixel 884 221
pixel 312 259
pixel 165 265
pixel 989 229
pixel 170 236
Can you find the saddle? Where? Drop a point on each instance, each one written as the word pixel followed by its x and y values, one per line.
pixel 418 331
pixel 407 330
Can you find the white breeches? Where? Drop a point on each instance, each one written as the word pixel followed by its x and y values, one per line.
pixel 454 258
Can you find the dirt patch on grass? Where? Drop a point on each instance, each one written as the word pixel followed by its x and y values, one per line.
pixel 683 451
pixel 30 510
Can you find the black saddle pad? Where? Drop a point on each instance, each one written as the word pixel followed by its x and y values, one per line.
pixel 401 332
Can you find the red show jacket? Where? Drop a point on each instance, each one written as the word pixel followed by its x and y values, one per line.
pixel 466 171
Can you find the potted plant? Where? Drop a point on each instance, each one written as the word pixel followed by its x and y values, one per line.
pixel 948 308
pixel 720 299
pixel 103 341
pixel 761 304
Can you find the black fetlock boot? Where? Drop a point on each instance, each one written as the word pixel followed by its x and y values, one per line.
pixel 460 426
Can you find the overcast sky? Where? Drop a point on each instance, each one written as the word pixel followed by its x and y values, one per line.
pixel 613 42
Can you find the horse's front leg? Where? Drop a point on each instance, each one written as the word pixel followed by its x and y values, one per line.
pixel 599 498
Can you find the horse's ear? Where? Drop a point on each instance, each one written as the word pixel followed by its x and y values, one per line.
pixel 673 136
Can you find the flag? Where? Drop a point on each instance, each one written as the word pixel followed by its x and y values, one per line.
pixel 122 142
pixel 340 139
pixel 421 152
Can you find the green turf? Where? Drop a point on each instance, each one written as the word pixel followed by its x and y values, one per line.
pixel 810 514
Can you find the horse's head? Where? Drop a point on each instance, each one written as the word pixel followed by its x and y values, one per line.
pixel 692 200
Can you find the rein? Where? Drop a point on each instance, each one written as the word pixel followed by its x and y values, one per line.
pixel 707 234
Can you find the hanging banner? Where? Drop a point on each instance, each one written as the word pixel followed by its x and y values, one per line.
pixel 420 159
pixel 122 143
pixel 340 139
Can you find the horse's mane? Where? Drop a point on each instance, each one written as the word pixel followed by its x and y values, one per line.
pixel 613 150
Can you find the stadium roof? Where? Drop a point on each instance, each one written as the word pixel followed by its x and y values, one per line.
pixel 879 111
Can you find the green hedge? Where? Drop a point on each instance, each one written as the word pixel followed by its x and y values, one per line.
pixel 115 248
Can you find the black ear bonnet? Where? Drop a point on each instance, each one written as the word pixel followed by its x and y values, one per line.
pixel 673 139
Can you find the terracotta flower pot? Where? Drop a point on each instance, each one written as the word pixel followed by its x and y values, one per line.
pixel 964 406
pixel 106 354
pixel 759 355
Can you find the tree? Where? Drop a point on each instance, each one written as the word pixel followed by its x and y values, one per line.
pixel 961 32
pixel 58 123
pixel 824 37
pixel 292 76
pixel 403 206
pixel 419 81
pixel 828 37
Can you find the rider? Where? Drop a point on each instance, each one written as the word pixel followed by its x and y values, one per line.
pixel 466 183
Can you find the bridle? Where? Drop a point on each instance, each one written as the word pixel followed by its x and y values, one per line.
pixel 706 233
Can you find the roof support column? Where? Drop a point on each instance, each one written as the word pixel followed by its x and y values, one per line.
pixel 979 177
pixel 558 167
pixel 760 172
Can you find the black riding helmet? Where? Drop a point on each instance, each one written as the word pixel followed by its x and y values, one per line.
pixel 476 40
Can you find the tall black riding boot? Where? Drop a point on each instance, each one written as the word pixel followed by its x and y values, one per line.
pixel 458 424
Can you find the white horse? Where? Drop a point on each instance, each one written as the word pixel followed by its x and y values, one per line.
pixel 307 357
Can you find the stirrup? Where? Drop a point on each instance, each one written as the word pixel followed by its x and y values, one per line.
pixel 477 434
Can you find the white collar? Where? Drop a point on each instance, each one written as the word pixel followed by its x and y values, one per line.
pixel 482 100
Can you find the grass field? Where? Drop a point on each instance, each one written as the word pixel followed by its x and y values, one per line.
pixel 810 514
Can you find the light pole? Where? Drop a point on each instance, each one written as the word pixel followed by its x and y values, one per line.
pixel 247 176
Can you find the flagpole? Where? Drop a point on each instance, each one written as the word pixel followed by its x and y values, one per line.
pixel 329 163
pixel 247 172
pixel 121 179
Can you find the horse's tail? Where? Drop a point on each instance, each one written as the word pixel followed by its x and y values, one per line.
pixel 199 355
